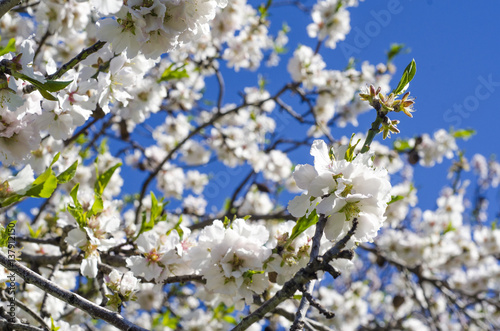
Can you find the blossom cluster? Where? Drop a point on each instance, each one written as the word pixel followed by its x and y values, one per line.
pixel 342 190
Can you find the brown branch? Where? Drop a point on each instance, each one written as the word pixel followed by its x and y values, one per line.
pixel 69 297
pixel 6 5
pixel 302 277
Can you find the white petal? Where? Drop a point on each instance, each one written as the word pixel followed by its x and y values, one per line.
pixel 322 160
pixel 299 205
pixel 321 185
pixel 326 206
pixel 22 180
pixel 334 226
pixel 304 175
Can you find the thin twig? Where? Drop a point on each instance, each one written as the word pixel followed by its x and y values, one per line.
pixel 32 314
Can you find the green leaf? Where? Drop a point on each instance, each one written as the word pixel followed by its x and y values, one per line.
pixel 166 319
pixel 407 77
pixel 170 74
pixel 47 95
pixel 463 133
pixel 302 225
pixel 155 216
pixel 35 83
pixel 67 174
pixel 227 222
pixel 77 211
pixel 52 325
pixel 33 233
pixel 54 86
pixel 44 88
pixel 146 225
pixel 395 50
pixel 45 188
pixel 10 200
pixel 74 194
pixel 6 234
pixel 97 206
pixel 177 227
pixel 349 153
pixel 156 207
pixel 395 198
pixel 45 184
pixel 103 180
pixel 103 146
pixel 9 48
pixel 449 228
pixel 230 319
pixel 401 145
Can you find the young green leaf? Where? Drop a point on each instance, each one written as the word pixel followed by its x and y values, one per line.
pixel 67 174
pixel 43 186
pixel 395 198
pixel 33 233
pixel 395 50
pixel 52 325
pixel 302 225
pixel 10 200
pixel 349 153
pixel 97 206
pixel 407 77
pixel 103 180
pixel 463 133
pixel 401 145
pixel 177 227
pixel 54 86
pixel 77 211
pixel 6 234
pixel 9 48
pixel 170 74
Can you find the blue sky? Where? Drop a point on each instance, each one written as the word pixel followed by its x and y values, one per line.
pixel 456 45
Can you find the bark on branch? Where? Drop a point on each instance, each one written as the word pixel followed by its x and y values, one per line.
pixel 6 5
pixel 69 297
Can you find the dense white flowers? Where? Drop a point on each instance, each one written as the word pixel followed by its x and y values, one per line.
pixel 231 260
pixel 306 67
pixel 156 27
pixel 331 22
pixel 161 256
pixel 342 190
pixel 433 150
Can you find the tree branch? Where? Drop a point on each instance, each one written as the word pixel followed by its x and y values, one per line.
pixel 7 326
pixel 6 5
pixel 69 297
pixel 302 277
pixel 304 303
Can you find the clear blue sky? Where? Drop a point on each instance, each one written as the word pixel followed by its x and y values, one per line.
pixel 456 45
